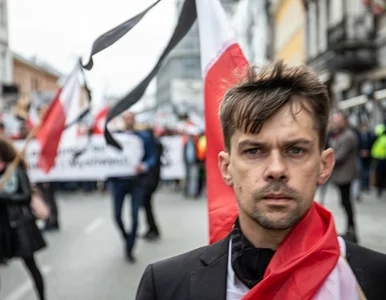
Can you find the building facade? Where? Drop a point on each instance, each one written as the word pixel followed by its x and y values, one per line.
pixel 35 80
pixel 8 91
pixel 346 45
pixel 288 18
pixel 179 82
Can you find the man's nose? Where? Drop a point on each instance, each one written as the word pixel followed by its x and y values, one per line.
pixel 276 167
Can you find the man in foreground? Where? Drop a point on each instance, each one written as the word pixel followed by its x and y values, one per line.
pixel 283 245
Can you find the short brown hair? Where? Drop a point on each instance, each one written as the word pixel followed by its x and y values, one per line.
pixel 8 152
pixel 261 94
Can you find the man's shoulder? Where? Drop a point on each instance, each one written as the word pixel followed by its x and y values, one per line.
pixel 184 264
pixel 369 268
pixel 365 256
pixel 190 260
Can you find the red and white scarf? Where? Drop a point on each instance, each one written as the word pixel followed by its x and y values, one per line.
pixel 309 264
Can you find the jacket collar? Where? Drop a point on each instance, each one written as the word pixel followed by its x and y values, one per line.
pixel 210 281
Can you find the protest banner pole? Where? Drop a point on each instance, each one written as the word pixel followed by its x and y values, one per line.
pixel 18 157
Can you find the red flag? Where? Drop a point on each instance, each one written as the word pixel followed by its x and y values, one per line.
pixel 221 57
pixel 100 120
pixel 55 118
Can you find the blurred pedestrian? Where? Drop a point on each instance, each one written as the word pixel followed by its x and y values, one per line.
pixel 151 182
pixel 366 141
pixel 378 152
pixel 48 191
pixel 345 144
pixel 191 163
pixel 2 129
pixel 19 235
pixel 132 185
pixel 201 154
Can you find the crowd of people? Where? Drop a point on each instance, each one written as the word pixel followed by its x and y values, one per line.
pixel 20 237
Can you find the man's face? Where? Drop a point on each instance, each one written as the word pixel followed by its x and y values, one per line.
pixel 275 172
pixel 338 122
pixel 129 119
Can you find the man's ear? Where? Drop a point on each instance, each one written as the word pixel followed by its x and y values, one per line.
pixel 327 164
pixel 224 165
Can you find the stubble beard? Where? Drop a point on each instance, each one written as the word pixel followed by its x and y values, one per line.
pixel 264 218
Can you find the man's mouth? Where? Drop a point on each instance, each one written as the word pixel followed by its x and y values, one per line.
pixel 277 196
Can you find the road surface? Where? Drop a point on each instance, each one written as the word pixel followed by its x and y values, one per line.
pixel 85 260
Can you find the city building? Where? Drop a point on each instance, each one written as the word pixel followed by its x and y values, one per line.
pixel 179 90
pixel 346 45
pixel 36 81
pixel 288 18
pixel 8 90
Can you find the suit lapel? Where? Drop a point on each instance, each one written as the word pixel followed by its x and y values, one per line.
pixel 210 281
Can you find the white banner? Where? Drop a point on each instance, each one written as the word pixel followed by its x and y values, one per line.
pixel 99 161
pixel 173 166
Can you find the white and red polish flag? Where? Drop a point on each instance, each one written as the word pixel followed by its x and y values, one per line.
pixel 221 60
pixel 58 115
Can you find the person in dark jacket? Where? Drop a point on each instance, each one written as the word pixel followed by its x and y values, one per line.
pixel 269 239
pixel 366 141
pixel 19 235
pixel 151 182
pixel 132 185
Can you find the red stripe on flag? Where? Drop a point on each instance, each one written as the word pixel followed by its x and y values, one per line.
pixel 50 132
pixel 222 205
pixel 100 120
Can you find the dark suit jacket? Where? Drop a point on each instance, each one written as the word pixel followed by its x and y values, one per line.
pixel 202 274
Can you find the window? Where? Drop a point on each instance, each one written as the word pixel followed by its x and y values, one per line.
pixel 34 84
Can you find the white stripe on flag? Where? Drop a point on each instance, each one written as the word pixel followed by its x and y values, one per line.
pixel 70 96
pixel 213 42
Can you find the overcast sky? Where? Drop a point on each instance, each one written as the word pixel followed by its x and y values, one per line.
pixel 61 31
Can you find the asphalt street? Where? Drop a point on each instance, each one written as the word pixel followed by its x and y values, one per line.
pixel 85 259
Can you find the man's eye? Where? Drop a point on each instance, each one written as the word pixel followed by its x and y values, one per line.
pixel 253 151
pixel 297 150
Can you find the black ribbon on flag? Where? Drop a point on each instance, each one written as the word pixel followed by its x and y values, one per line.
pixel 186 19
pixel 112 36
